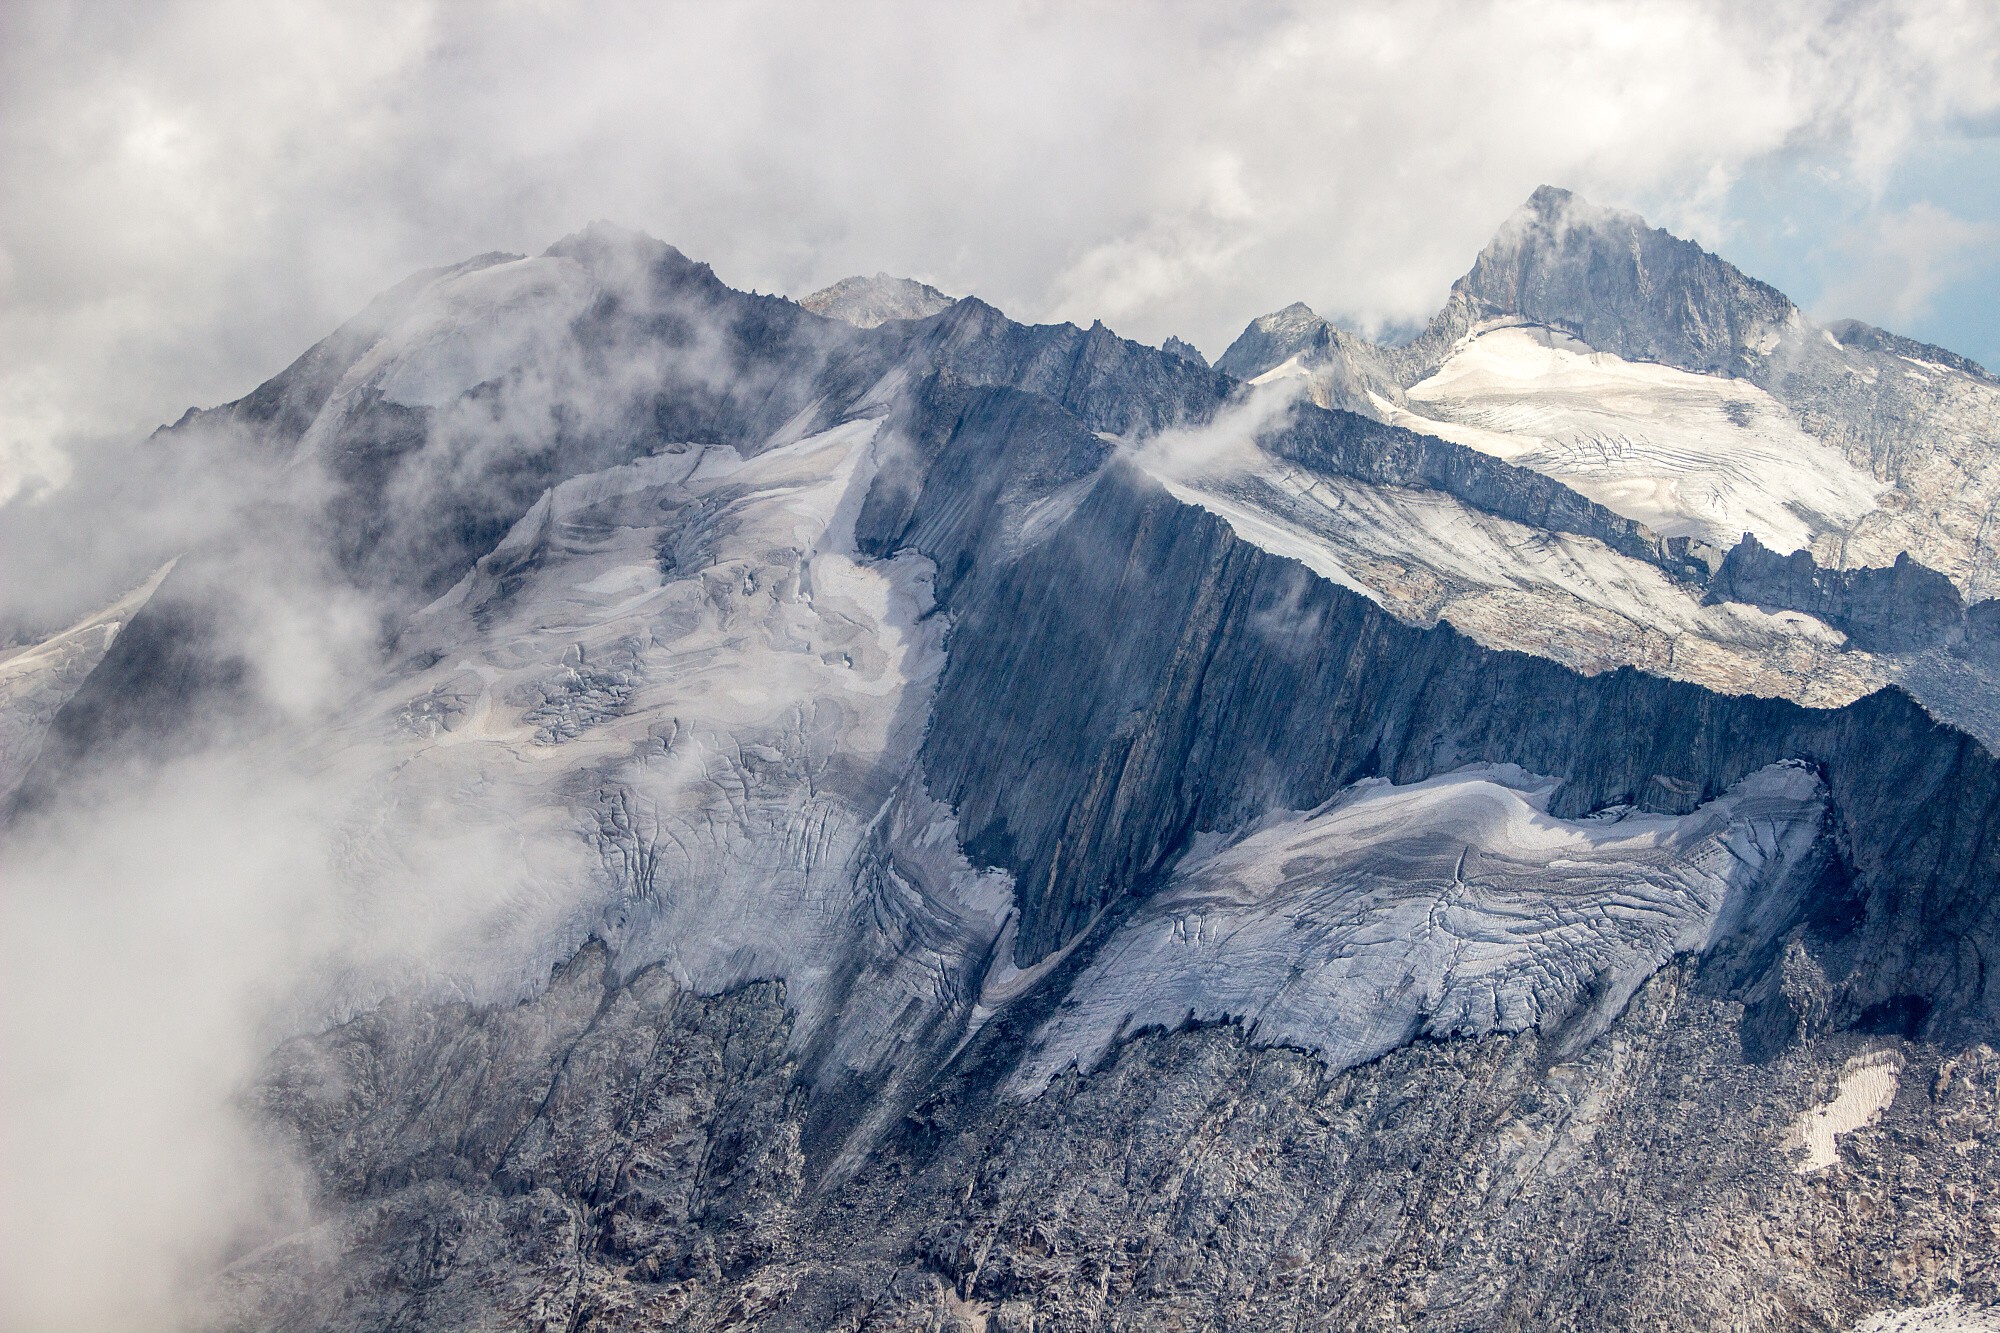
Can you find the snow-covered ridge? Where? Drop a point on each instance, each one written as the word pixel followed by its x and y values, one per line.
pixel 1426 556
pixel 38 679
pixel 868 302
pixel 469 328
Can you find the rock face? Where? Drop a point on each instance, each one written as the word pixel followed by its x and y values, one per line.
pixel 1899 609
pixel 637 1158
pixel 1004 827
pixel 867 302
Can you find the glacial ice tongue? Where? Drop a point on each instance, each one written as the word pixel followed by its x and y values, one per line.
pixel 1451 907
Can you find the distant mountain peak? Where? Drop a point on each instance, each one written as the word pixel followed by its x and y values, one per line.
pixel 1600 274
pixel 867 302
pixel 1273 339
pixel 603 239
pixel 1622 286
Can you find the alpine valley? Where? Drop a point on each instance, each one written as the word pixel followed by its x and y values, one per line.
pixel 995 827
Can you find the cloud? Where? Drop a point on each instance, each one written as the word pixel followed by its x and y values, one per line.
pixel 136 958
pixel 1231 441
pixel 162 938
pixel 199 188
pixel 1894 267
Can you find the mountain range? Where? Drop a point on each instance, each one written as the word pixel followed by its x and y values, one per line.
pixel 989 826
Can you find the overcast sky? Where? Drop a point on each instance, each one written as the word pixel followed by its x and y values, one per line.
pixel 192 191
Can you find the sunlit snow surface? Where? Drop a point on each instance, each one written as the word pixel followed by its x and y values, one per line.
pixel 1688 455
pixel 1426 556
pixel 1867 1087
pixel 1454 906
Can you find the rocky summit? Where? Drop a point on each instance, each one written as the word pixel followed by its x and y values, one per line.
pixel 1004 827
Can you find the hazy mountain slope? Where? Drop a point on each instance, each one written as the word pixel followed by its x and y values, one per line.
pixel 867 302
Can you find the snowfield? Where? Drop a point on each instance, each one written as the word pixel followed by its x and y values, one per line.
pixel 1426 556
pixel 1688 455
pixel 674 708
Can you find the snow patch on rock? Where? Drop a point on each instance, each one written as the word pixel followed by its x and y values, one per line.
pixel 1867 1086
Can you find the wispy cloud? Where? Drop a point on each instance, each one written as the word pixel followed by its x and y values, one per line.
pixel 198 188
pixel 1895 266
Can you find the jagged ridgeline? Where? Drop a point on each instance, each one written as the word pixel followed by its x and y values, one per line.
pixel 1025 829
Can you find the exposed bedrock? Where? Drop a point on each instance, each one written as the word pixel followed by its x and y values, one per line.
pixel 1138 674
pixel 627 1156
pixel 1624 287
pixel 1902 608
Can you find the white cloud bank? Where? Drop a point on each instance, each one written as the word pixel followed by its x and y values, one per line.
pixel 197 189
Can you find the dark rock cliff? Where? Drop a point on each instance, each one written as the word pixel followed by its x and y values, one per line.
pixel 1621 286
pixel 1139 674
pixel 1903 608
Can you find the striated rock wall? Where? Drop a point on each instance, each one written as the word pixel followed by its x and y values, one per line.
pixel 1140 674
pixel 1903 608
